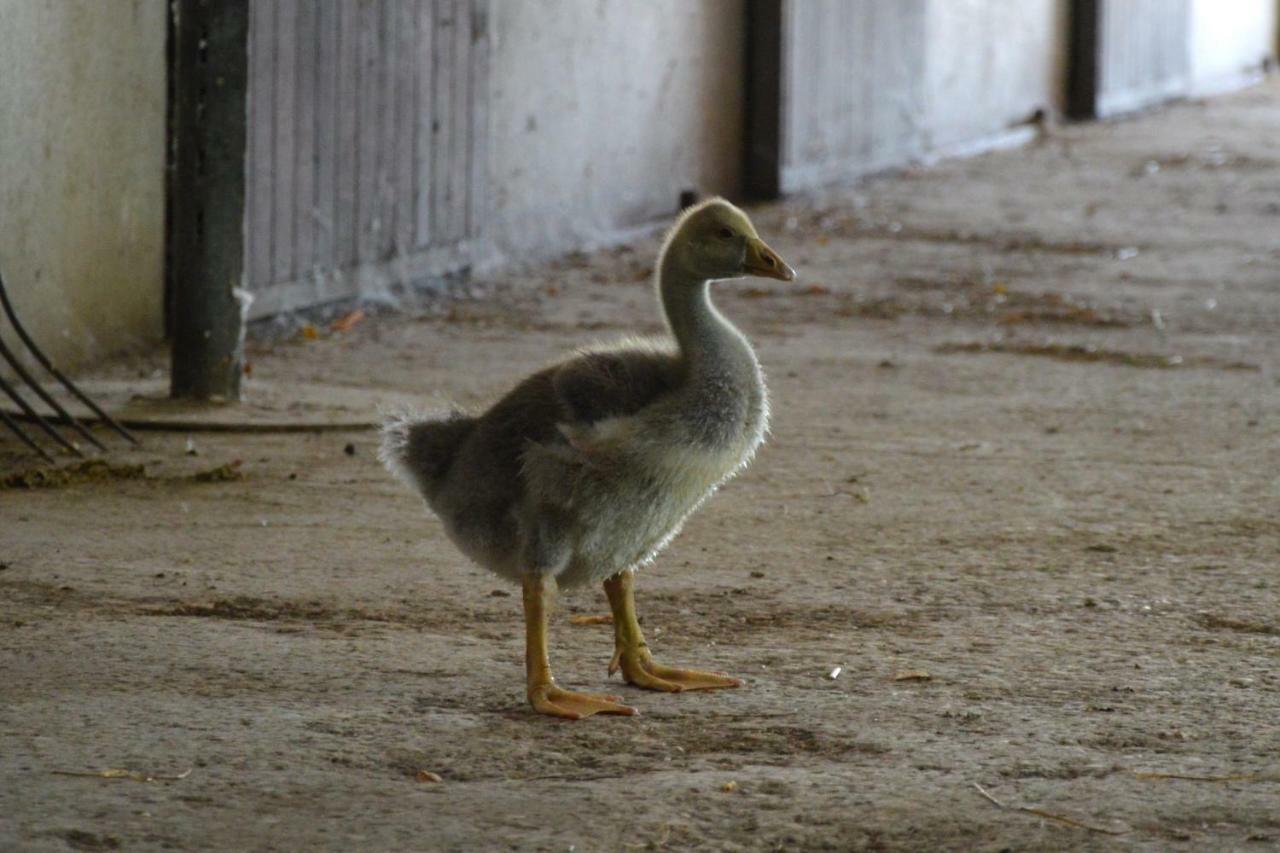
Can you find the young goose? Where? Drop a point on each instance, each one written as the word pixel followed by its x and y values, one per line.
pixel 588 468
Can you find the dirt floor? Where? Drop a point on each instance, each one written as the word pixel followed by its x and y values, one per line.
pixel 1023 488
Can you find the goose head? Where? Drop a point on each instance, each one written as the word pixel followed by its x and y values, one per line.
pixel 715 240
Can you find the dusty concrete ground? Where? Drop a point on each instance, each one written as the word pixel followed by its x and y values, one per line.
pixel 1026 441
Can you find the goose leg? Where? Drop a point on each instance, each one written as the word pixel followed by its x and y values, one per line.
pixel 544 695
pixel 631 653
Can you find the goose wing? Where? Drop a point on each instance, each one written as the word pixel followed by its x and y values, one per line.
pixel 596 386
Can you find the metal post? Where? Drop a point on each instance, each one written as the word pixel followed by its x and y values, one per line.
pixel 763 160
pixel 1084 47
pixel 211 75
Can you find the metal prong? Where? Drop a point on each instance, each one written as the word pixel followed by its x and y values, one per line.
pixel 55 372
pixel 63 415
pixel 23 437
pixel 33 415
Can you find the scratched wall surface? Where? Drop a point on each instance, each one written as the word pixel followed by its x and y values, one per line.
pixel 853 87
pixel 1143 56
pixel 604 110
pixel 82 106
pixel 990 64
pixel 367 132
pixel 871 84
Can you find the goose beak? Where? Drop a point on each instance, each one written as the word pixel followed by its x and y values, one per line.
pixel 764 262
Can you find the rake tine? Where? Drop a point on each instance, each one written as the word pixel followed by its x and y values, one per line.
pixel 55 372
pixel 44 395
pixel 37 417
pixel 26 439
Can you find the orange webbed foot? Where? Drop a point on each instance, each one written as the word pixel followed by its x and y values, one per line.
pixel 639 669
pixel 557 702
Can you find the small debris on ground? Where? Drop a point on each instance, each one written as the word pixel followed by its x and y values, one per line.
pixel 89 471
pixel 428 776
pixel 220 473
pixel 1186 777
pixel 78 839
pixel 133 775
pixel 347 322
pixel 913 675
pixel 1090 354
pixel 583 619
pixel 1057 818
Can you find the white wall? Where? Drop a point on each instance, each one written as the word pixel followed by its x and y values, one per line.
pixel 603 110
pixel 82 104
pixel 1229 40
pixel 990 64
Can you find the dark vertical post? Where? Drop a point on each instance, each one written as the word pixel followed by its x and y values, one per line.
pixel 763 160
pixel 170 159
pixel 211 75
pixel 1083 58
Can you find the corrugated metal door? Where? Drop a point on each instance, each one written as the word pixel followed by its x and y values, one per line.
pixel 367 145
pixel 850 89
pixel 1127 54
pixel 1144 53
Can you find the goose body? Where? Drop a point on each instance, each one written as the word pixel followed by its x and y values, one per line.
pixel 589 467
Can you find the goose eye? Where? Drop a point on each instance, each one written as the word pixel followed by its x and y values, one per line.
pixel 726 233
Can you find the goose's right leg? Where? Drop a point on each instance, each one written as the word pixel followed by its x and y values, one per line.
pixel 544 695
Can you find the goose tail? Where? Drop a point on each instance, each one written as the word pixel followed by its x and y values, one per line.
pixel 420 449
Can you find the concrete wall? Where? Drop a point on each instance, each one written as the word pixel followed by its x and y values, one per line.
pixel 603 110
pixel 990 64
pixel 1229 40
pixel 82 104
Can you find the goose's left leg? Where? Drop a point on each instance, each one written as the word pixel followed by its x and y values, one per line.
pixel 631 653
